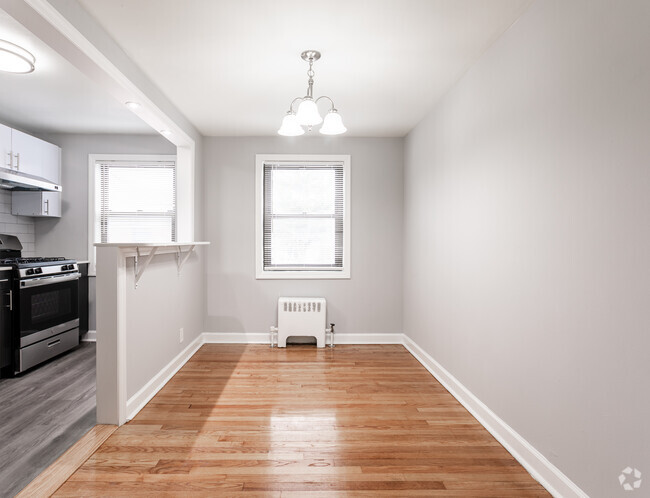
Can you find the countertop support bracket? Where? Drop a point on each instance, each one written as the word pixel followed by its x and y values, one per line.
pixel 182 258
pixel 140 271
pixel 141 261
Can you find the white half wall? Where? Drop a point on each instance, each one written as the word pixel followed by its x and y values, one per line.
pixel 369 302
pixel 527 235
pixel 138 329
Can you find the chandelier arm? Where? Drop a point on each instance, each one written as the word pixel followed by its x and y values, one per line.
pixel 326 97
pixel 293 102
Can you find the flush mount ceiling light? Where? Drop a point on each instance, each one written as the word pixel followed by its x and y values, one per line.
pixel 308 115
pixel 132 105
pixel 15 59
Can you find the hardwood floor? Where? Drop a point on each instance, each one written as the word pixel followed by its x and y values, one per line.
pixel 44 412
pixel 254 421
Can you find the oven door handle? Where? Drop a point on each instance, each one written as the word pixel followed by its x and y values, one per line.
pixel 35 282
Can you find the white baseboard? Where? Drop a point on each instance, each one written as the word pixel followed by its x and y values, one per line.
pixel 138 401
pixel 90 336
pixel 547 474
pixel 263 338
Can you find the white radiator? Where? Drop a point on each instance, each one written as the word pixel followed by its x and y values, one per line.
pixel 301 316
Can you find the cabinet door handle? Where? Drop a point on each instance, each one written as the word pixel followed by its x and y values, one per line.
pixel 10 163
pixel 17 156
pixel 47 206
pixel 11 301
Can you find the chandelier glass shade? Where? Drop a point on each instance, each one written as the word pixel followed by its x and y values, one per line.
pixel 290 126
pixel 307 114
pixel 333 124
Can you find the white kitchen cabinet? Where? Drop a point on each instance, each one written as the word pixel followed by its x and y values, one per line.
pixel 5 147
pixel 24 153
pixel 27 153
pixel 51 162
pixel 36 203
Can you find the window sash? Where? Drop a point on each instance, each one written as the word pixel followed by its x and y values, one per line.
pixel 269 217
pixel 105 214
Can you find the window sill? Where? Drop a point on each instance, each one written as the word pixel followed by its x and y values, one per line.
pixel 302 275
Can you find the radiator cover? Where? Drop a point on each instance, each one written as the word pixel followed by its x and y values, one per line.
pixel 302 316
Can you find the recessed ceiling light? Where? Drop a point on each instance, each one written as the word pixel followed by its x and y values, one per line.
pixel 15 59
pixel 165 132
pixel 132 105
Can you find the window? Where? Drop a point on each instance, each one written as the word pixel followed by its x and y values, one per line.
pixel 303 217
pixel 132 199
pixel 135 201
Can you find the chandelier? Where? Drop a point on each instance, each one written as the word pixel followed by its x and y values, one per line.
pixel 294 123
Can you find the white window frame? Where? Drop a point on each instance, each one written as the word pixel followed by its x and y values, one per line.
pixel 260 273
pixel 93 159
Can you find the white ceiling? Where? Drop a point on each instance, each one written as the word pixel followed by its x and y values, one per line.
pixel 233 66
pixel 57 97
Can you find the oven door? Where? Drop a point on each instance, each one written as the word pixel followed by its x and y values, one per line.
pixel 47 306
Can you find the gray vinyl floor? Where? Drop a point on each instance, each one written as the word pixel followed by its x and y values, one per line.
pixel 43 413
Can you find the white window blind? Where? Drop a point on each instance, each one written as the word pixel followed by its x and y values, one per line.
pixel 303 217
pixel 135 202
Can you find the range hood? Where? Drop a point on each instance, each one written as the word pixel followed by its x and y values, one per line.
pixel 21 181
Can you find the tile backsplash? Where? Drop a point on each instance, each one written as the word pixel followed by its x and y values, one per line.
pixel 20 226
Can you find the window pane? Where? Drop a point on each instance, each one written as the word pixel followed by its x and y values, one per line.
pixel 303 241
pixel 140 189
pixel 298 191
pixel 139 228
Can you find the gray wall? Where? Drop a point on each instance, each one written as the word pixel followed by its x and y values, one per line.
pixel 370 302
pixel 527 234
pixel 68 236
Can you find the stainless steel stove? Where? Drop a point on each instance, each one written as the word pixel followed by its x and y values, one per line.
pixel 37 269
pixel 44 303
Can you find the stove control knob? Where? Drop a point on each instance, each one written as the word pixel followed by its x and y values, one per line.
pixel 38 270
pixel 30 271
pixel 64 267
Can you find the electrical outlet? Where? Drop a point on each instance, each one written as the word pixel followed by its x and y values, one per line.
pixel 180 336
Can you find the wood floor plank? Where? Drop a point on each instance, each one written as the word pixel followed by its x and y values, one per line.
pixel 247 420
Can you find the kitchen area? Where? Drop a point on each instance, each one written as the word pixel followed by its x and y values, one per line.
pixel 52 120
pixel 47 395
